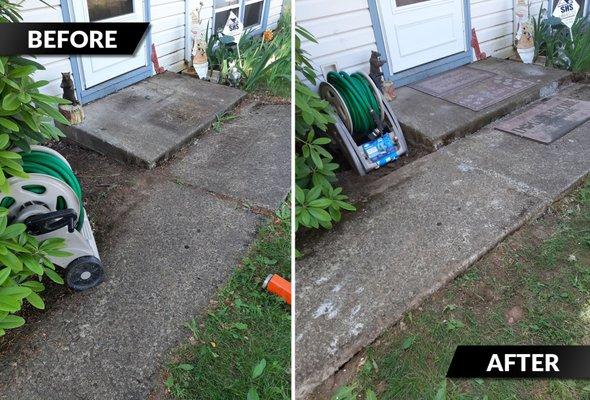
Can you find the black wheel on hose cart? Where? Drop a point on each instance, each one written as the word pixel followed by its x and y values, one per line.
pixel 84 273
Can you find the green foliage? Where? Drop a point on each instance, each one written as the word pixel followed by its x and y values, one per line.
pixel 26 117
pixel 263 64
pixel 563 49
pixel 25 262
pixel 318 202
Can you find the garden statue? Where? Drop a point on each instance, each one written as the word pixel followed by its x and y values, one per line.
pixel 375 72
pixel 67 84
pixel 199 52
pixel 526 42
pixel 234 75
pixel 72 112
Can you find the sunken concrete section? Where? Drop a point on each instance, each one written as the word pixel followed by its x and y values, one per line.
pixel 432 122
pixel 148 122
pixel 247 158
pixel 166 253
pixel 162 269
pixel 422 225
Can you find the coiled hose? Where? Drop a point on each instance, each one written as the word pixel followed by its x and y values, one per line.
pixel 38 162
pixel 358 97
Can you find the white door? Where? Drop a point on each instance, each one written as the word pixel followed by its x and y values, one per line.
pixel 417 32
pixel 98 69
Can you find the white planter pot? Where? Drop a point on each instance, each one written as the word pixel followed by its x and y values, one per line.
pixel 527 55
pixel 201 69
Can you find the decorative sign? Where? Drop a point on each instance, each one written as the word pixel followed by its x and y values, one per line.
pixel 567 10
pixel 549 120
pixel 233 27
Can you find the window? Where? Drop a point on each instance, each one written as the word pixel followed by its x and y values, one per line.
pixel 250 12
pixel 105 9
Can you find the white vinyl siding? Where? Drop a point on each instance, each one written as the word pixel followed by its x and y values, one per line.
pixel 37 11
pixel 343 30
pixel 493 23
pixel 168 32
pixel 274 13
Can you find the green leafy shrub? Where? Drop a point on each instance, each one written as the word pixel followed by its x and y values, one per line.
pixel 25 261
pixel 563 49
pixel 318 202
pixel 264 64
pixel 26 117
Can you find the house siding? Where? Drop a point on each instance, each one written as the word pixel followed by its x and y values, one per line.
pixel 169 30
pixel 345 33
pixel 343 30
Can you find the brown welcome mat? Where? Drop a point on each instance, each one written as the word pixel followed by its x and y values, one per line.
pixel 549 120
pixel 471 87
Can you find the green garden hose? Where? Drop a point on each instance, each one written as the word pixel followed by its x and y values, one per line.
pixel 358 97
pixel 44 163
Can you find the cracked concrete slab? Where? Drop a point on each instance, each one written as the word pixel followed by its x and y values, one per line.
pixel 248 159
pixel 423 224
pixel 148 122
pixel 164 262
pixel 432 122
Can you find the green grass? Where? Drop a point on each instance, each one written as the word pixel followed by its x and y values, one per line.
pixel 246 326
pixel 542 270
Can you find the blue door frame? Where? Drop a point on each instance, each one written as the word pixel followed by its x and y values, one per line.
pixel 425 70
pixel 117 83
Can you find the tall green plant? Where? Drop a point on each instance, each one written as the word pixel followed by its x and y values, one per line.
pixel 263 64
pixel 318 202
pixel 563 49
pixel 26 117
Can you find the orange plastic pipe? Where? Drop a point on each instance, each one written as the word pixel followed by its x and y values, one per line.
pixel 278 286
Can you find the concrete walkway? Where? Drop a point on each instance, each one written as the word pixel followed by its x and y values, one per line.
pixel 421 226
pixel 183 230
pixel 433 122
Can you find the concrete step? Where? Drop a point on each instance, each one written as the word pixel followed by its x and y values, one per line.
pixel 421 226
pixel 148 122
pixel 431 122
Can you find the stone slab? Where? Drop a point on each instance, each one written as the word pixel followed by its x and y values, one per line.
pixel 248 159
pixel 422 225
pixel 443 83
pixel 548 120
pixel 148 122
pixel 164 262
pixel 432 122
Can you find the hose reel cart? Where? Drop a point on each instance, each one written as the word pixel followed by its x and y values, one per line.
pixel 366 128
pixel 50 204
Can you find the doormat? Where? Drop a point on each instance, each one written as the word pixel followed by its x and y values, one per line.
pixel 472 88
pixel 440 84
pixel 549 120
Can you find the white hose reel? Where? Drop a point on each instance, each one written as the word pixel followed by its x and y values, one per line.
pixel 39 211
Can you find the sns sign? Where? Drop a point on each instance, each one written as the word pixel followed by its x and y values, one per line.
pixel 566 10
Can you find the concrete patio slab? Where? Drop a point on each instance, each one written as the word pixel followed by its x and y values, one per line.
pixel 422 225
pixel 249 158
pixel 166 246
pixel 148 122
pixel 162 269
pixel 432 122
